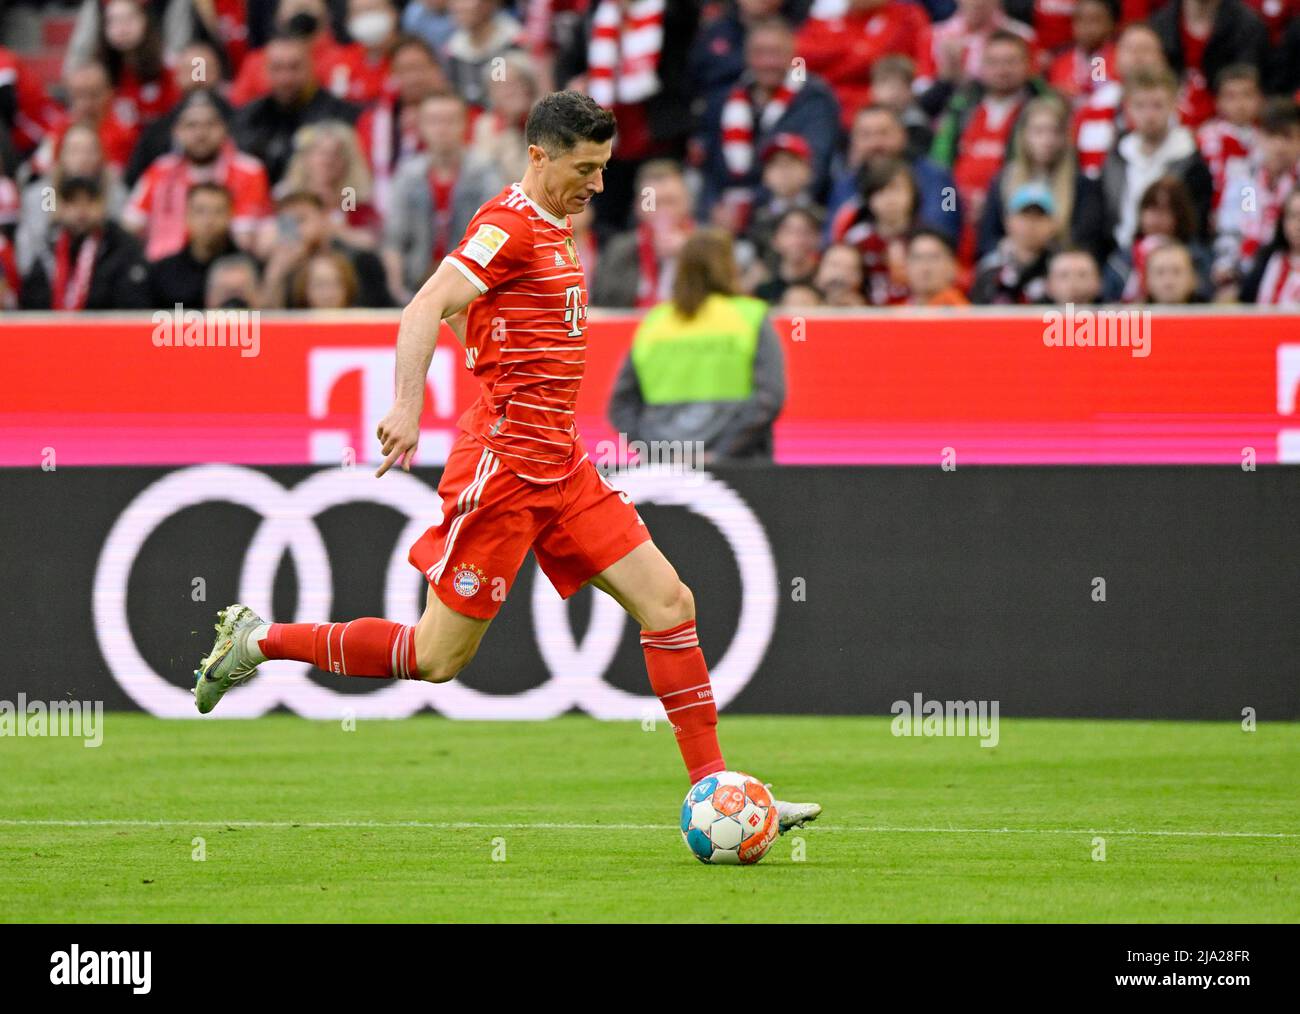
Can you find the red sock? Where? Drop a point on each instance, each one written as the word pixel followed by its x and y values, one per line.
pixel 680 678
pixel 365 647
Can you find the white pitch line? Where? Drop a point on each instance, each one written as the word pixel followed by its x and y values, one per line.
pixel 547 826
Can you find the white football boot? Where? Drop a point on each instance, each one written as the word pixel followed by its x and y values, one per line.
pixel 792 815
pixel 232 660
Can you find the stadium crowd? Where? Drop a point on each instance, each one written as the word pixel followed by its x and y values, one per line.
pixel 327 153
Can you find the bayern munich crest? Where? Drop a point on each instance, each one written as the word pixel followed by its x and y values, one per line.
pixel 467 580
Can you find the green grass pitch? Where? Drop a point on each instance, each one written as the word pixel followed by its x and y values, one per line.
pixel 407 820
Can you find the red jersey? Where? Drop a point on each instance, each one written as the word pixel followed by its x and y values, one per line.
pixel 525 337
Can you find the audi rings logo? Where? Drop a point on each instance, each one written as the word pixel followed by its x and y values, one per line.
pixel 576 667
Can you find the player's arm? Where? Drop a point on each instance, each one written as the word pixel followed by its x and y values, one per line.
pixel 447 292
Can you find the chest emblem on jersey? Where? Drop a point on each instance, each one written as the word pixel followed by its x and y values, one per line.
pixel 485 243
pixel 571 249
pixel 467 579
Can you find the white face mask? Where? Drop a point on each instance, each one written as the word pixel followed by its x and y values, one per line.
pixel 372 28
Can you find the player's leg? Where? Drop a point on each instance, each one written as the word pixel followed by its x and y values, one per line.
pixel 645 584
pixel 468 557
pixel 602 540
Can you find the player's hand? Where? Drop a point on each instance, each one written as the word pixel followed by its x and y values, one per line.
pixel 399 435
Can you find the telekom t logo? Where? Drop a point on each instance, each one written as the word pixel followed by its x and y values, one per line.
pixel 1288 382
pixel 327 366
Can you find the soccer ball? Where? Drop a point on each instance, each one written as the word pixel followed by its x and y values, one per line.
pixel 729 818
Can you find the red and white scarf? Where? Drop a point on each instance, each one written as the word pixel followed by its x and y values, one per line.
pixel 72 283
pixel 738 122
pixel 1280 285
pixel 623 57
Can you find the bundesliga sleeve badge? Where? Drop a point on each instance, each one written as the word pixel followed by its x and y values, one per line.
pixel 485 243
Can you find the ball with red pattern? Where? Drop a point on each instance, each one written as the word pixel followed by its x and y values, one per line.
pixel 729 818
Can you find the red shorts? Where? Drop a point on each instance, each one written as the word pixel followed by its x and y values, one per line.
pixel 491 518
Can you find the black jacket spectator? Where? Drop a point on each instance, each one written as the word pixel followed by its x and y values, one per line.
pixel 182 278
pixel 119 279
pixel 265 129
pixel 1238 36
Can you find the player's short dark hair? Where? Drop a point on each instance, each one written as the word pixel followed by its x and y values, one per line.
pixel 560 120
pixel 209 187
pixel 1281 116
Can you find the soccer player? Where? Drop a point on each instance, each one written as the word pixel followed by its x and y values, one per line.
pixel 518 476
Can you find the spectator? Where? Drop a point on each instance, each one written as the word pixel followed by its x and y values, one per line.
pixel 932 271
pixel 1099 120
pixel 1276 278
pixel 1171 276
pixel 840 276
pixel 892 78
pixel 706 366
pixel 844 49
pixel 772 97
pixel 787 179
pixel 431 21
pixel 1015 271
pixel 1156 146
pixel 389 128
pixel 637 267
pixel 483 32
pixel 886 216
pixel 307 20
pixel 1074 71
pixel 798 297
pixel 173 16
pixel 205 153
pixel 980 121
pixel 1202 37
pixel 372 24
pixel 233 284
pixel 435 194
pixel 639 72
pixel 1227 141
pixel 79 153
pixel 328 161
pixel 304 231
pixel 10 279
pixel 498 135
pixel 198 68
pixel 878 137
pixel 265 128
pixel 130 47
pixel 795 248
pixel 90 102
pixel 1252 198
pixel 1073 277
pixel 717 58
pixel 90 263
pixel 326 282
pixel 182 277
pixel 1165 214
pixel 1042 154
pixel 959 41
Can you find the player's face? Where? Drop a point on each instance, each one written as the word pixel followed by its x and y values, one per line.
pixel 573 179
